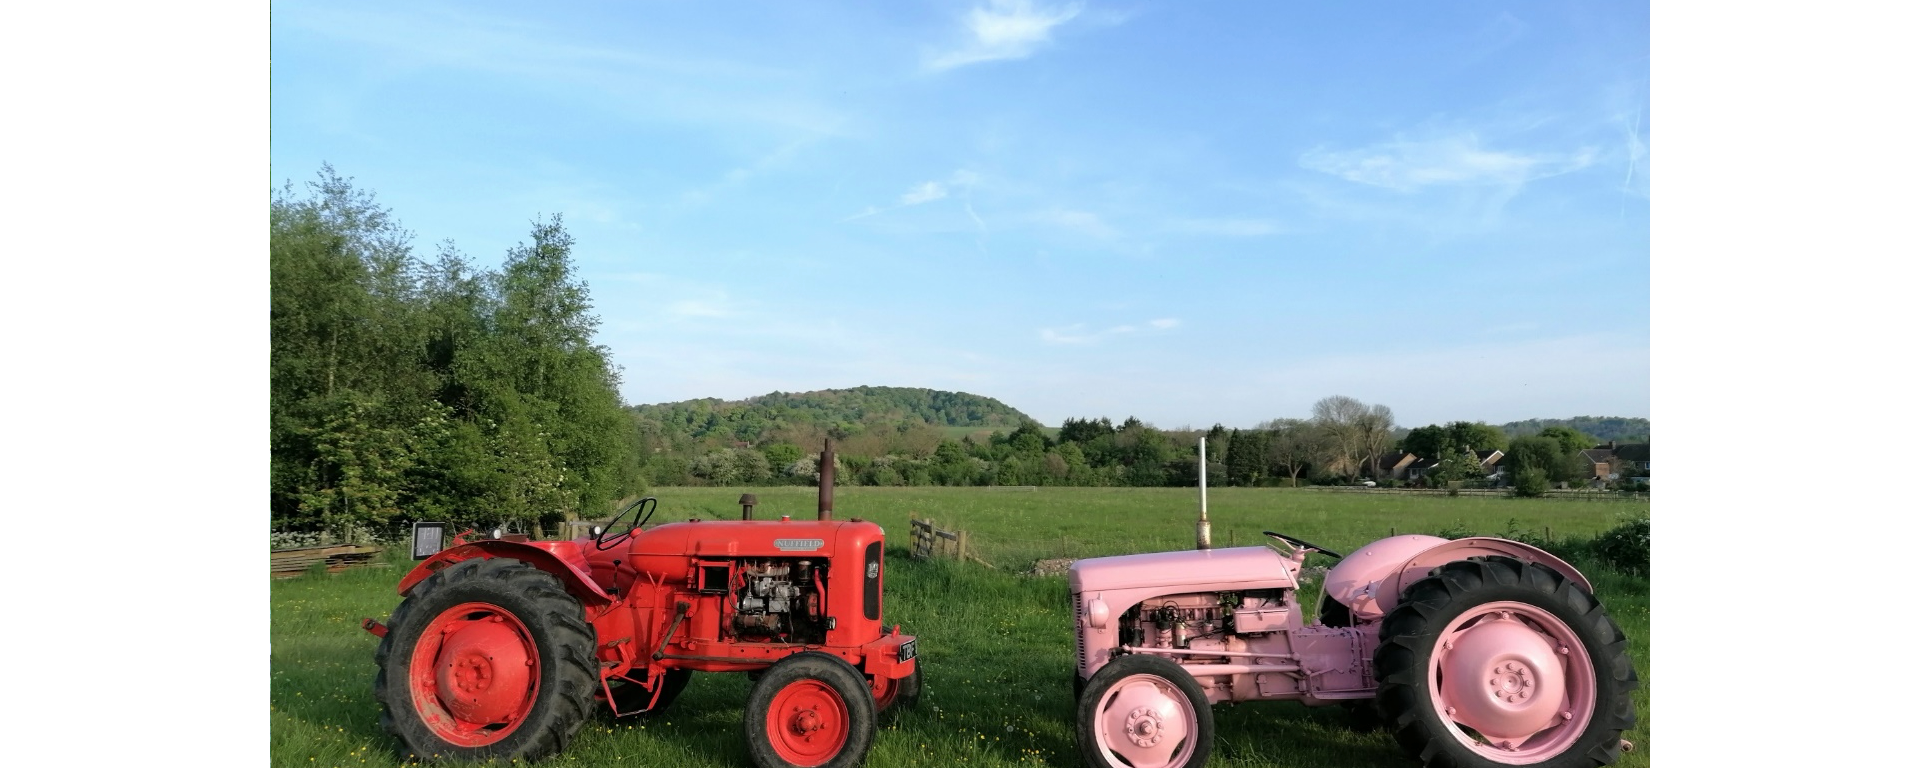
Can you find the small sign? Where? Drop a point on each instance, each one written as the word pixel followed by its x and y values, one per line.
pixel 907 650
pixel 428 539
pixel 798 545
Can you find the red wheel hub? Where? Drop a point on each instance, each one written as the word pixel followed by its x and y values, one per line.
pixel 474 674
pixel 807 722
pixel 885 689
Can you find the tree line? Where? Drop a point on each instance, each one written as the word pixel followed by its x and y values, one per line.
pixel 1340 440
pixel 408 388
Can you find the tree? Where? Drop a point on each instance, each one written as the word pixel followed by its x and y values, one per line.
pixel 1375 428
pixel 1426 442
pixel 1476 436
pixel 1571 440
pixel 1293 445
pixel 1355 433
pixel 1246 457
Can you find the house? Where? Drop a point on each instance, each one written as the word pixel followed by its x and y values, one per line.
pixel 1418 468
pixel 1614 460
pixel 1393 466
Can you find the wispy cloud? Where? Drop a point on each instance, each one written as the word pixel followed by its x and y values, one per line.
pixel 1223 227
pixel 1004 29
pixel 1083 222
pixel 1078 333
pixel 927 192
pixel 1408 165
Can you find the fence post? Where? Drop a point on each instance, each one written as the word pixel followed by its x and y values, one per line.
pixel 960 542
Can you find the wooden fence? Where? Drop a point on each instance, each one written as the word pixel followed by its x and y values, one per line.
pixel 288 563
pixel 929 541
pixel 1573 495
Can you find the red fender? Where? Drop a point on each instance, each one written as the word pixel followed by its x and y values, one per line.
pixel 560 558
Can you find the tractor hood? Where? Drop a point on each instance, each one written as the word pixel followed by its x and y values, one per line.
pixel 1245 565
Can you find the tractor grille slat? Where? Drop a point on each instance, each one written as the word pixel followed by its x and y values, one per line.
pixel 1079 641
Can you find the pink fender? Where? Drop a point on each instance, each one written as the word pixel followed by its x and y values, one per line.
pixel 1369 581
pixel 560 558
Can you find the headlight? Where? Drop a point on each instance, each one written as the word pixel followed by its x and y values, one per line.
pixel 496 533
pixel 1097 614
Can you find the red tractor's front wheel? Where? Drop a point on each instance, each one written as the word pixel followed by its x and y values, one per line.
pixel 1493 661
pixel 810 710
pixel 489 658
pixel 891 695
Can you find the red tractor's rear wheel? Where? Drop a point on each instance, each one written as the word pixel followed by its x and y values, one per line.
pixel 1493 662
pixel 1142 711
pixel 810 710
pixel 489 658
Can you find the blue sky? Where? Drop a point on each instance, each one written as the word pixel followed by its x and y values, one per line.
pixel 1190 213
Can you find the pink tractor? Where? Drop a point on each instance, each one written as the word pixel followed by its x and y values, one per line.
pixel 1475 652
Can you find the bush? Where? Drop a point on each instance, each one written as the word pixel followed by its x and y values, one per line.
pixel 1627 547
pixel 1530 483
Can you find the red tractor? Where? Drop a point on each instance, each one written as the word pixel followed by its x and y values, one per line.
pixel 504 646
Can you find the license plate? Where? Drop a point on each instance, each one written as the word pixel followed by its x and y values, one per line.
pixel 906 651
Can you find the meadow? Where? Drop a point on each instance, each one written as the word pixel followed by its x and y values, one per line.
pixel 996 644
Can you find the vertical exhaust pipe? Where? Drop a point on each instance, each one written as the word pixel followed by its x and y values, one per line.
pixel 826 481
pixel 1203 530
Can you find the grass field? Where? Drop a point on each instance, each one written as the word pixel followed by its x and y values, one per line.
pixel 996 645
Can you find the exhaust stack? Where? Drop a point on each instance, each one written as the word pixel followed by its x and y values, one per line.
pixel 1203 530
pixel 826 481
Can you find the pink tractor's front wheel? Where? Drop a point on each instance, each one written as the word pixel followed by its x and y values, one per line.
pixel 1143 711
pixel 1498 662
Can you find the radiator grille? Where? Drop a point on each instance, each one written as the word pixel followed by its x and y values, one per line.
pixel 1079 633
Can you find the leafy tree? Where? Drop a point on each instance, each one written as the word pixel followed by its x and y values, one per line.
pixel 1571 441
pixel 1426 442
pixel 1293 445
pixel 1246 458
pixel 1476 436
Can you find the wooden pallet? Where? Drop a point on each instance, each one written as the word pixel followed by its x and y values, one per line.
pixel 288 563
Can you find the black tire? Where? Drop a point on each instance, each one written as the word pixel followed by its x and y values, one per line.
pixel 828 681
pixel 905 697
pixel 1171 679
pixel 632 698
pixel 1411 631
pixel 552 622
pixel 1333 613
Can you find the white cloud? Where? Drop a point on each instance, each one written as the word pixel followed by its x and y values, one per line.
pixel 1078 333
pixel 1078 221
pixel 1223 227
pixel 1004 29
pixel 925 193
pixel 1407 165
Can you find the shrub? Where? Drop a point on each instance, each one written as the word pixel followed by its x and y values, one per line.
pixel 1530 483
pixel 1627 547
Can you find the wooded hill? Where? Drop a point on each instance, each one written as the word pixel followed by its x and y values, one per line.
pixel 1602 428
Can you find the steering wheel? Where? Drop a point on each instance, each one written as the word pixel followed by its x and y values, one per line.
pixel 1304 544
pixel 608 537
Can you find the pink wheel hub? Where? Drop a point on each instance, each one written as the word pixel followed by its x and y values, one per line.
pixel 474 674
pixel 1146 721
pixel 1513 682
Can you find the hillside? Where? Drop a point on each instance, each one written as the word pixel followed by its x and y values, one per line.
pixel 789 416
pixel 1621 428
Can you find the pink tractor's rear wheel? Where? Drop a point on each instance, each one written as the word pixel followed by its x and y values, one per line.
pixel 1142 711
pixel 1498 662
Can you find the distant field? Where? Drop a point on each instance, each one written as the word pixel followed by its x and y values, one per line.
pixel 996 645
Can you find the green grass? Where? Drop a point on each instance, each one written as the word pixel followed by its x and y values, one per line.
pixel 996 645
